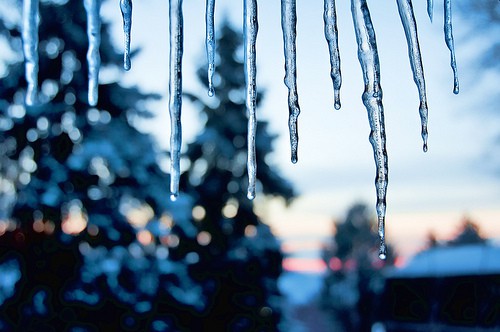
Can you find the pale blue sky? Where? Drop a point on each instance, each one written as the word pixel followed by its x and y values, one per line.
pixel 336 166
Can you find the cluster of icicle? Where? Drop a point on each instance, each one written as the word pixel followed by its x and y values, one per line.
pixel 367 54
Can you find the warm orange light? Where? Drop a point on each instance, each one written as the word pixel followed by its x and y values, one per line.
pixel 312 265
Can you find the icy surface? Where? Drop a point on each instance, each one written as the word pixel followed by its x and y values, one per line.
pixel 30 47
pixel 210 44
pixel 92 7
pixel 372 99
pixel 289 24
pixel 250 28
pixel 331 35
pixel 448 36
pixel 430 8
pixel 410 26
pixel 126 8
pixel 175 93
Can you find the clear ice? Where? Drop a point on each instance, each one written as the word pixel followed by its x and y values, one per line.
pixel 126 8
pixel 331 35
pixel 448 36
pixel 288 24
pixel 30 48
pixel 372 99
pixel 430 8
pixel 210 44
pixel 92 7
pixel 175 93
pixel 250 28
pixel 410 26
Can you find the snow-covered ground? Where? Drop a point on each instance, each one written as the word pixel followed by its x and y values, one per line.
pixel 301 310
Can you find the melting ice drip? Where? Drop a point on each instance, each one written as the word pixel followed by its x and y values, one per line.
pixel 372 99
pixel 92 7
pixel 126 9
pixel 367 54
pixel 250 28
pixel 289 24
pixel 30 48
pixel 175 93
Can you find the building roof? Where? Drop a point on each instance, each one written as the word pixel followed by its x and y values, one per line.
pixel 462 260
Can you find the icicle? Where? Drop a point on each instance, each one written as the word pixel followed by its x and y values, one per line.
pixel 126 8
pixel 331 35
pixel 175 93
pixel 430 8
pixel 92 7
pixel 410 26
pixel 210 44
pixel 448 35
pixel 250 28
pixel 372 99
pixel 30 47
pixel 288 24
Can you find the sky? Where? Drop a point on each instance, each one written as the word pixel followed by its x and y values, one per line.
pixel 430 191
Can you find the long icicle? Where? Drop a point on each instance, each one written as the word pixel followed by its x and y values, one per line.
pixel 372 99
pixel 289 24
pixel 448 36
pixel 30 48
pixel 175 93
pixel 126 9
pixel 250 28
pixel 410 26
pixel 210 44
pixel 331 35
pixel 92 7
pixel 430 9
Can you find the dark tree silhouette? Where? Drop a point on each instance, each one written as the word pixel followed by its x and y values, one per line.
pixel 238 258
pixel 70 176
pixel 354 269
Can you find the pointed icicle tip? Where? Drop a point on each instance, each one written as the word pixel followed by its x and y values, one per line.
pixel 251 195
pixel 211 91
pixel 336 104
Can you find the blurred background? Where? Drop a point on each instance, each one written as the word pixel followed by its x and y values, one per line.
pixel 89 240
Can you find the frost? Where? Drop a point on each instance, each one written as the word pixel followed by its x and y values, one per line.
pixel 30 48
pixel 250 28
pixel 175 93
pixel 372 99
pixel 331 35
pixel 448 36
pixel 289 24
pixel 126 8
pixel 92 7
pixel 410 26
pixel 210 44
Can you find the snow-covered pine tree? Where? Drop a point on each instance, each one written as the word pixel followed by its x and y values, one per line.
pixel 238 258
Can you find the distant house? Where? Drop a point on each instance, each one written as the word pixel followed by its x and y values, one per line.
pixel 445 288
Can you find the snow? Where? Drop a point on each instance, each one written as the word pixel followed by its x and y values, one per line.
pixel 473 259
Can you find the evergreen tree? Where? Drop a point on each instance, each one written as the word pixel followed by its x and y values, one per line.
pixel 238 259
pixel 354 269
pixel 70 176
